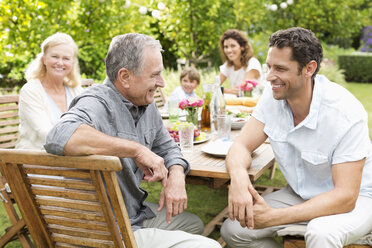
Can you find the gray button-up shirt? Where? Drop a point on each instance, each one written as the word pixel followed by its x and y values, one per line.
pixel 105 109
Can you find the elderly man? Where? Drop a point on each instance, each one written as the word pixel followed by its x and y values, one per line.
pixel 319 134
pixel 120 118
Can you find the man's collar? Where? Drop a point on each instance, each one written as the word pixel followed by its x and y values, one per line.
pixel 312 118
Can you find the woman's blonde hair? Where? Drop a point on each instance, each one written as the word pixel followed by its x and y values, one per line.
pixel 37 70
pixel 243 41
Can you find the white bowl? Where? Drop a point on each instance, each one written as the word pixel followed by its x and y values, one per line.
pixel 238 123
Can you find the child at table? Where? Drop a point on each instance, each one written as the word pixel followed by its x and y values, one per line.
pixel 190 79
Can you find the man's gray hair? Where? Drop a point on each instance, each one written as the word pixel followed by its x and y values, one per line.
pixel 126 51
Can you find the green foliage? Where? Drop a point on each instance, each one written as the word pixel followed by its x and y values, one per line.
pixel 357 66
pixel 327 19
pixel 332 72
pixel 194 27
pixel 331 52
pixel 187 29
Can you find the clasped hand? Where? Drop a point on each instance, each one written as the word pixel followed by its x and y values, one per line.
pixel 249 208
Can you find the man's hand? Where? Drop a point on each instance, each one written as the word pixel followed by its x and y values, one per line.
pixel 174 194
pixel 262 212
pixel 241 205
pixel 152 165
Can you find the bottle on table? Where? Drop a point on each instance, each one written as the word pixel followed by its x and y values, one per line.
pixel 217 105
pixel 205 115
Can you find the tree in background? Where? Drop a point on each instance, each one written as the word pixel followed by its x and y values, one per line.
pixel 333 21
pixel 24 24
pixel 188 29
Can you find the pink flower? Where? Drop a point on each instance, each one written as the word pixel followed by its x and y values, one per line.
pixel 248 85
pixel 182 104
pixel 190 103
pixel 193 102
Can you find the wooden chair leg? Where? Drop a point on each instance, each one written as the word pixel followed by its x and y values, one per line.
pixel 272 171
pixel 18 224
pixel 293 242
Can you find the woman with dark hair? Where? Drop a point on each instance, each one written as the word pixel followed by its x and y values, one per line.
pixel 239 61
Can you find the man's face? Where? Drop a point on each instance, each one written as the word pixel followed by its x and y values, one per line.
pixel 286 81
pixel 143 86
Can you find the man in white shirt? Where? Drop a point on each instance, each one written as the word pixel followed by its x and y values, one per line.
pixel 319 134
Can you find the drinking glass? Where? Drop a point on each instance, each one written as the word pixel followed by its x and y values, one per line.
pixel 224 127
pixel 186 134
pixel 173 110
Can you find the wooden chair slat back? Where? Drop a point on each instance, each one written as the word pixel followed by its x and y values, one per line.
pixel 66 209
pixel 9 120
pixel 159 98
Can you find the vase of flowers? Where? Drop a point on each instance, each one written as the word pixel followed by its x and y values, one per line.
pixel 191 105
pixel 247 86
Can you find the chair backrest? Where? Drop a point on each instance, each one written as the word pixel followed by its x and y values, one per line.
pixel 86 82
pixel 8 120
pixel 159 98
pixel 68 201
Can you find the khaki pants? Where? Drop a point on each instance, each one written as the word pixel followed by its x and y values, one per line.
pixel 182 232
pixel 326 232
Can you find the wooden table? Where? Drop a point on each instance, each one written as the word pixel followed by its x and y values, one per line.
pixel 210 170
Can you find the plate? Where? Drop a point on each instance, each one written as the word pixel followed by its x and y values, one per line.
pixel 207 137
pixel 217 148
pixel 238 123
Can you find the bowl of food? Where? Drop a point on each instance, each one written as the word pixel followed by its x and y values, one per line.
pixel 238 122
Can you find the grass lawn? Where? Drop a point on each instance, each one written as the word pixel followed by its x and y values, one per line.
pixel 363 92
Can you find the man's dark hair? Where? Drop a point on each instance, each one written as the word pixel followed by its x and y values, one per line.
pixel 305 46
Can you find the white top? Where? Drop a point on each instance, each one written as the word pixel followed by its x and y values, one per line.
pixel 237 76
pixel 178 94
pixel 36 115
pixel 55 109
pixel 335 131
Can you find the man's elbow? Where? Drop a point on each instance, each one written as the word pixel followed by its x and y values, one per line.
pixel 348 201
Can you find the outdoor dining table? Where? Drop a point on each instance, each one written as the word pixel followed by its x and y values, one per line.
pixel 211 170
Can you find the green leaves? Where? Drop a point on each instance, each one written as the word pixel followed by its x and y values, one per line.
pixel 188 29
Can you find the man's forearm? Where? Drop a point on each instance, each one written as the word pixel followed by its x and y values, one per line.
pixel 87 140
pixel 237 163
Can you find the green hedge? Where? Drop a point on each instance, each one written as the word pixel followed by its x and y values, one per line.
pixel 357 67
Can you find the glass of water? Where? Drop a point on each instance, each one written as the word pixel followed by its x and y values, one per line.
pixel 186 134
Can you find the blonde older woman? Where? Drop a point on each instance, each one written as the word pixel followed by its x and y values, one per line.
pixel 53 80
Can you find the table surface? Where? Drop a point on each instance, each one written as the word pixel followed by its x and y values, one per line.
pixel 205 165
pixel 212 168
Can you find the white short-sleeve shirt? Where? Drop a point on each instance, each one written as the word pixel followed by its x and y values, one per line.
pixel 335 131
pixel 237 76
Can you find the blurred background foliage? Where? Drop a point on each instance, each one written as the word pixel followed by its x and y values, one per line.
pixel 187 29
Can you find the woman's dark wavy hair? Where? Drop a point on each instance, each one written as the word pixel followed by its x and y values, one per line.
pixel 242 39
pixel 305 46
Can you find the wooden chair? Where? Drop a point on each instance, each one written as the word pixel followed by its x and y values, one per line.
pixel 68 201
pixel 159 98
pixel 86 82
pixel 9 120
pixel 293 237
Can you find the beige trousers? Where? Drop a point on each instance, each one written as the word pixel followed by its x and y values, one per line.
pixel 183 232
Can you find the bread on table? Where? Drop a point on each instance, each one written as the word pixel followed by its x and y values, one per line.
pixel 245 101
